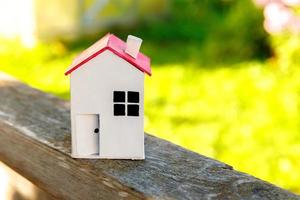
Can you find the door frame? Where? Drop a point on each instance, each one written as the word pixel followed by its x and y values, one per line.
pixel 97 138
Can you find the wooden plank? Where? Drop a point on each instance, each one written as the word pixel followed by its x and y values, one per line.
pixel 35 141
pixel 16 187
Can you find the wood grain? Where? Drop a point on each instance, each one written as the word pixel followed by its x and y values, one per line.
pixel 35 142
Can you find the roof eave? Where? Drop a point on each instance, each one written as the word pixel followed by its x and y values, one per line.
pixel 101 51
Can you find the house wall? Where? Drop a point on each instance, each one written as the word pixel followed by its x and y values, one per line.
pixel 92 87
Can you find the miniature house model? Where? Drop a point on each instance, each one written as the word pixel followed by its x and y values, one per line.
pixel 107 99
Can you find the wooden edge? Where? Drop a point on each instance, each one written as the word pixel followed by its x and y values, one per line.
pixel 35 141
pixel 54 172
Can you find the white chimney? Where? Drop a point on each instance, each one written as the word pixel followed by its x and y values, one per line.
pixel 133 45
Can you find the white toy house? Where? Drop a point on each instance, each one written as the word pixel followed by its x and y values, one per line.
pixel 107 99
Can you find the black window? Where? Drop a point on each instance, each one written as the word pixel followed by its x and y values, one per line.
pixel 133 97
pixel 132 109
pixel 119 109
pixel 119 96
pixel 123 105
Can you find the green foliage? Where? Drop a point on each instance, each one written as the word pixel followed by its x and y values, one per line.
pixel 42 67
pixel 287 50
pixel 225 31
pixel 246 115
pixel 239 35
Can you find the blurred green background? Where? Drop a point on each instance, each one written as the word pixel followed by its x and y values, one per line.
pixel 221 85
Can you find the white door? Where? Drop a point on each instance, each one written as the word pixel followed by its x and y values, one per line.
pixel 87 131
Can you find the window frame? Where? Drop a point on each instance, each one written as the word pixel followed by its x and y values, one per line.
pixel 131 104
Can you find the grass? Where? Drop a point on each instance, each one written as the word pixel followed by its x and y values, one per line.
pixel 246 114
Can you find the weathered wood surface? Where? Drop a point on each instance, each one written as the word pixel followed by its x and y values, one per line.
pixel 35 141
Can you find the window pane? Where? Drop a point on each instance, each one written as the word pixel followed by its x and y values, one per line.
pixel 119 96
pixel 133 97
pixel 119 109
pixel 132 110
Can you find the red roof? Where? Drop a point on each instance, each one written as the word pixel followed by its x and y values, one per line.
pixel 115 45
